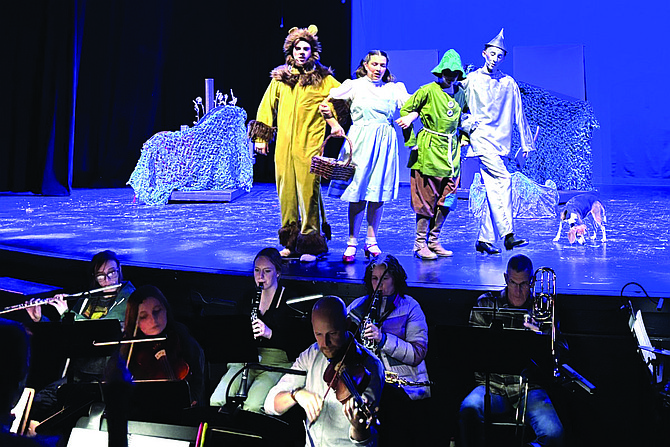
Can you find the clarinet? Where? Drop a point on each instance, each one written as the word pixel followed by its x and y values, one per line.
pixel 255 304
pixel 373 318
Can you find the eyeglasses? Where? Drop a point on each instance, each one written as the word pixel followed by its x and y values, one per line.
pixel 110 275
pixel 521 285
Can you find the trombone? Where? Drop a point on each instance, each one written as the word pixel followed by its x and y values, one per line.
pixel 543 310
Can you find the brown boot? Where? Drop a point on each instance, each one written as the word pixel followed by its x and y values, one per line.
pixel 421 250
pixel 436 224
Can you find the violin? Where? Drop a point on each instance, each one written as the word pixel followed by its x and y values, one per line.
pixel 150 361
pixel 348 378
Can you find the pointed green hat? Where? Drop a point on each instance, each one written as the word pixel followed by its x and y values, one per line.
pixel 450 61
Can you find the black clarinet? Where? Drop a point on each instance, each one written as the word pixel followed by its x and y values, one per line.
pixel 372 317
pixel 255 304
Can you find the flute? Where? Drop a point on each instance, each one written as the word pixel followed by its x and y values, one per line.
pixel 39 302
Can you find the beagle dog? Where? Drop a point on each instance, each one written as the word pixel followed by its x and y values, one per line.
pixel 575 212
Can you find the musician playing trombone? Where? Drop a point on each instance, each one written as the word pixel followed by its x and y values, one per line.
pixel 394 327
pixel 110 303
pixel 505 389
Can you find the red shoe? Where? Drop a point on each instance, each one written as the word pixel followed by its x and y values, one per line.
pixel 349 258
pixel 372 250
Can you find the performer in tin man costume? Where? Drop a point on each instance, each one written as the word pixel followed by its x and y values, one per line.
pixel 495 106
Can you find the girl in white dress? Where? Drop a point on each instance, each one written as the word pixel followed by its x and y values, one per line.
pixel 373 99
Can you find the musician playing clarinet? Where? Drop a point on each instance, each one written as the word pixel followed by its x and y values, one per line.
pixel 105 272
pixel 395 328
pixel 270 321
pixel 332 416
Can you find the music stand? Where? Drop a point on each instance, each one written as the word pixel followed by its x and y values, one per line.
pixel 503 351
pixel 504 317
pixel 156 401
pixel 76 339
pixel 226 338
pixel 53 343
pixel 244 428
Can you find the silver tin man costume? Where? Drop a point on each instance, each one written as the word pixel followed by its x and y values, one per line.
pixel 495 106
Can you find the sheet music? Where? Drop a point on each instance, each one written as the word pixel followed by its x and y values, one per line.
pixel 82 437
pixel 640 332
pixel 21 410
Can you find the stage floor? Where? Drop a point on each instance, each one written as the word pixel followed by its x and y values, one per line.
pixel 224 237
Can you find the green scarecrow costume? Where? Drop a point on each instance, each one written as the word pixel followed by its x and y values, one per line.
pixel 435 160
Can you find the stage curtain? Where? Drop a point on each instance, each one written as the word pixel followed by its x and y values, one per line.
pixel 38 95
pixel 143 63
pixel 133 68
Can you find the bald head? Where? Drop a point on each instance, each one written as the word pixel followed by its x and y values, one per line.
pixel 331 309
pixel 329 322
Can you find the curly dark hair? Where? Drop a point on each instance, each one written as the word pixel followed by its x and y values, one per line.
pixel 361 72
pixel 393 268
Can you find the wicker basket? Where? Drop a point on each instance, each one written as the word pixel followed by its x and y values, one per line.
pixel 330 168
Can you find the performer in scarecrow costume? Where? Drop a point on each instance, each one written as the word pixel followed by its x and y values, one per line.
pixel 293 96
pixel 435 160
pixel 495 105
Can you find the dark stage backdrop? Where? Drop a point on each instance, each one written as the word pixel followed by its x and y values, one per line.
pixel 37 85
pixel 142 64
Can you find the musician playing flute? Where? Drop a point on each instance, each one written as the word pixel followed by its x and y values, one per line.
pixel 398 333
pixel 270 321
pixel 105 272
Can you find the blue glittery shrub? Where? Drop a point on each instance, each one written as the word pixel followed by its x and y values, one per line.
pixel 563 145
pixel 530 200
pixel 562 159
pixel 212 155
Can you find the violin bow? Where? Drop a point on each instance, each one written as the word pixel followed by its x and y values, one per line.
pixel 339 364
pixel 132 344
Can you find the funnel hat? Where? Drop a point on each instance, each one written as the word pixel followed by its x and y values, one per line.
pixel 498 41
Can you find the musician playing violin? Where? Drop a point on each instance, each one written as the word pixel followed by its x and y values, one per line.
pixel 331 422
pixel 179 357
